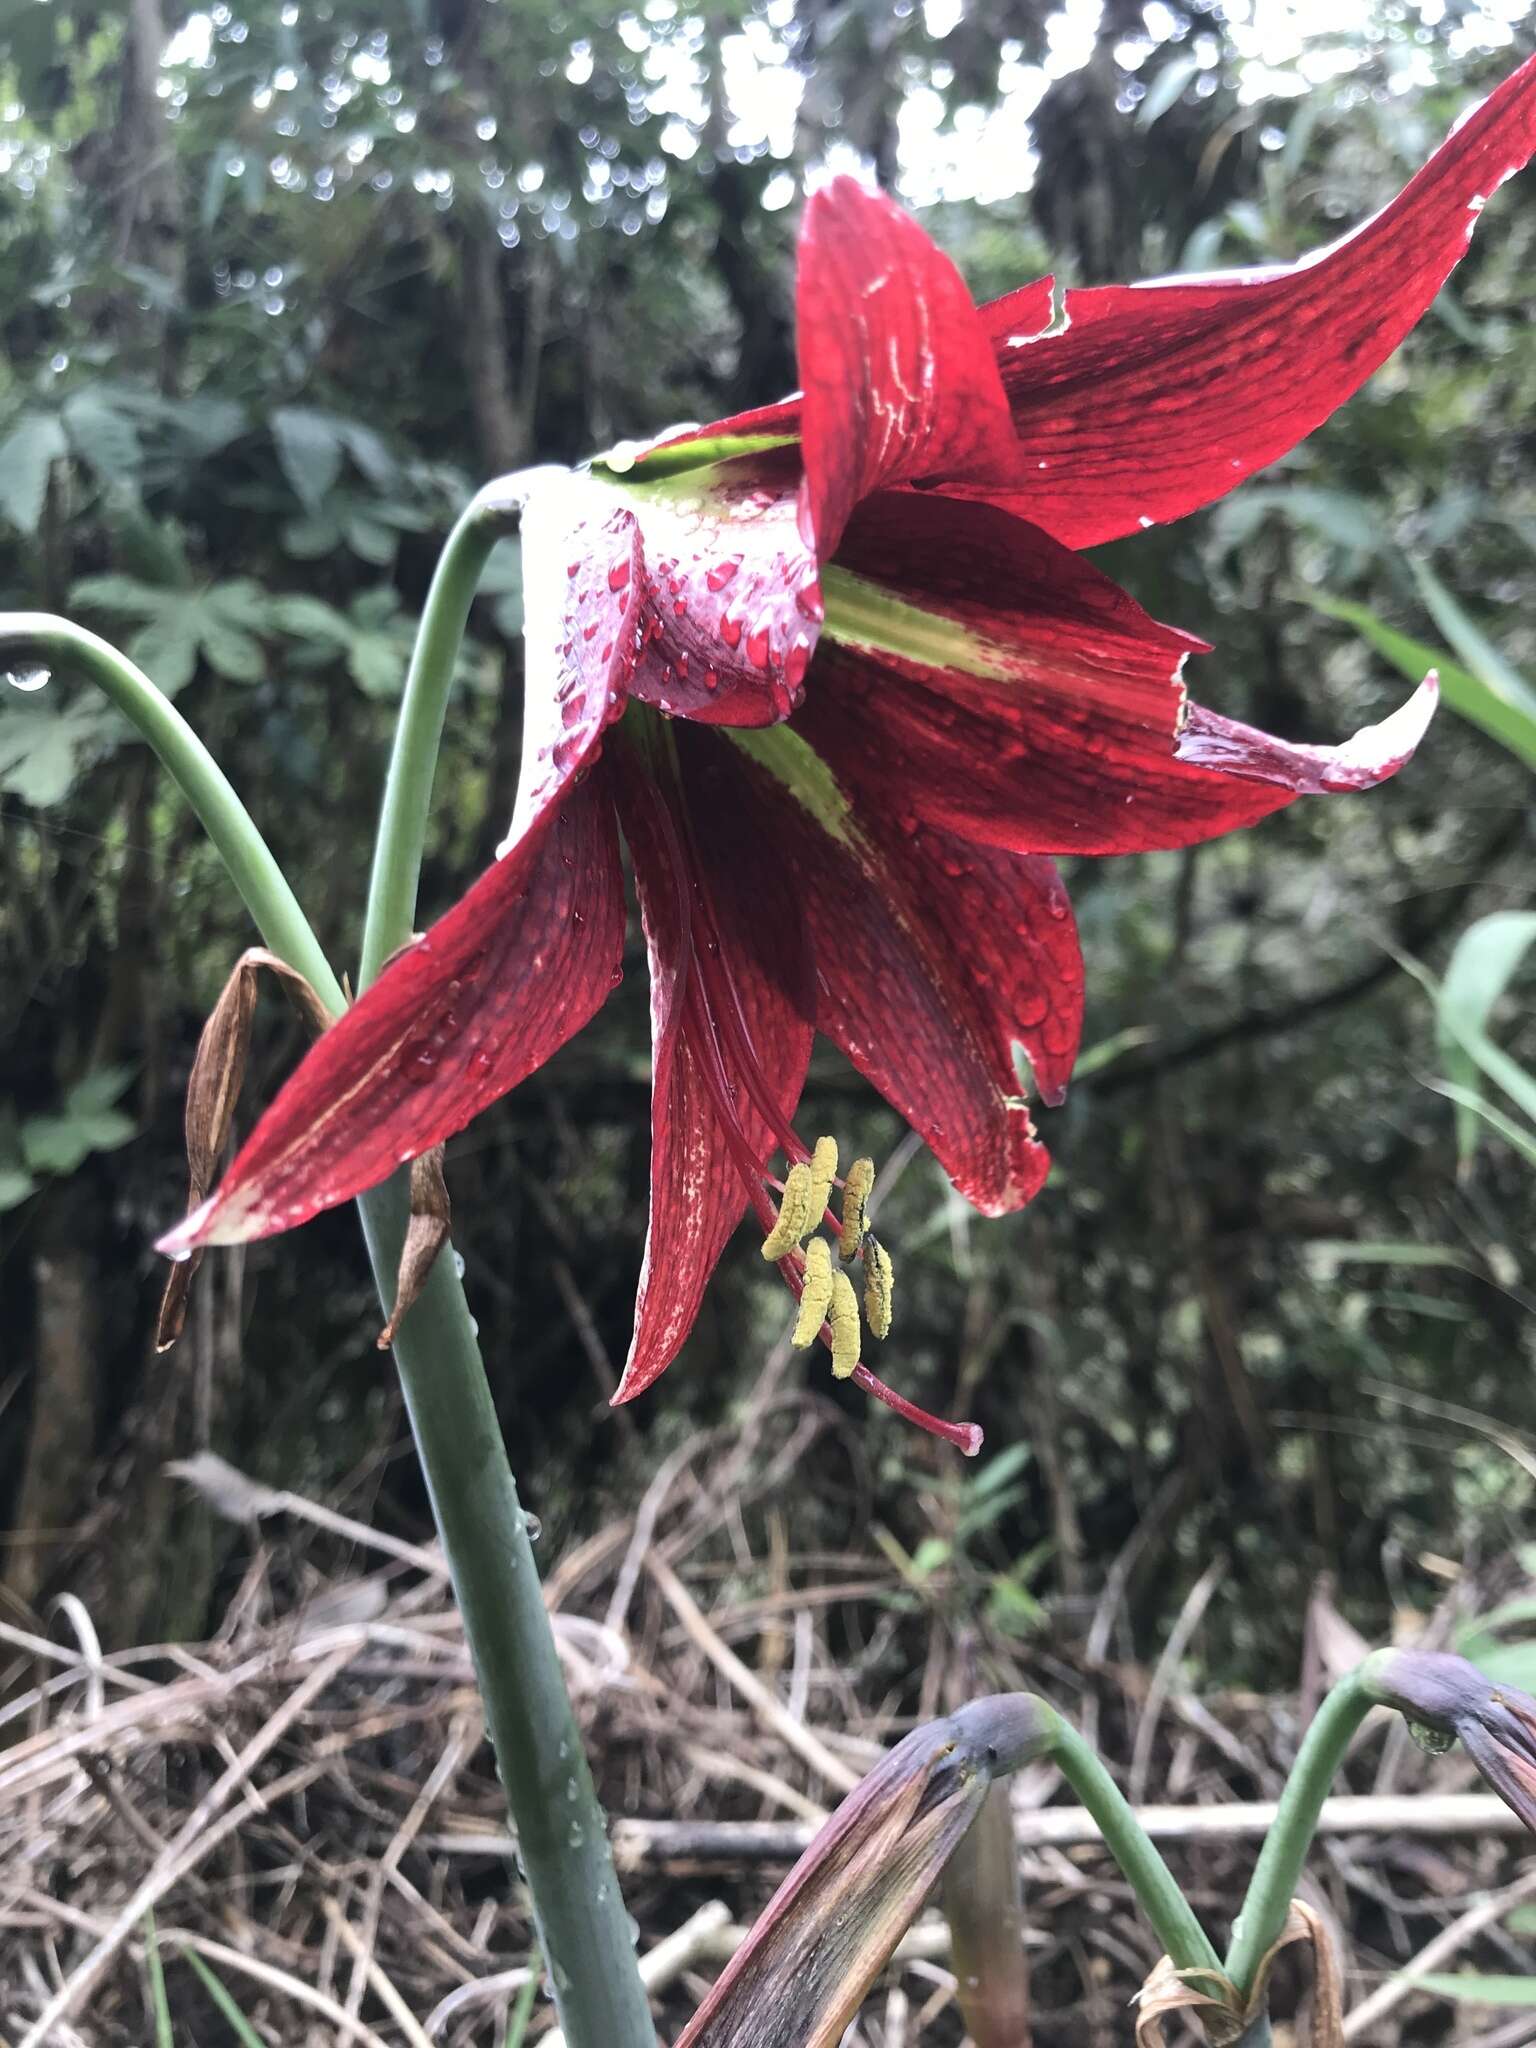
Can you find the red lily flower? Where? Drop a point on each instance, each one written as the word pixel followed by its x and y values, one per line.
pixel 865 686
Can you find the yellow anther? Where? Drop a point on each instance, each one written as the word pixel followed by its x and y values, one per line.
pixel 817 1298
pixel 823 1173
pixel 796 1214
pixel 879 1284
pixel 856 1190
pixel 843 1315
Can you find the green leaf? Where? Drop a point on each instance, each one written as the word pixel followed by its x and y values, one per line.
pixel 368 451
pixel 86 1123
pixel 1476 1990
pixel 371 540
pixel 166 650
pixel 1347 520
pixel 1329 1253
pixel 377 663
pixel 43 751
pixel 159 2004
pixel 1469 1100
pixel 207 425
pixel 216 1989
pixel 1471 643
pixel 102 434
pixel 126 596
pixel 229 648
pixel 27 455
pixel 1107 1050
pixel 96 1090
pixel 1468 697
pixel 242 601
pixel 1487 956
pixel 1504 1072
pixel 1167 88
pixel 15 1186
pixel 309 618
pixel 309 447
pixel 59 1144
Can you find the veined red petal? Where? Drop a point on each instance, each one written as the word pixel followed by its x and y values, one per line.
pixel 1055 721
pixel 901 380
pixel 731 607
pixel 1028 314
pixel 462 1015
pixel 697 1190
pixel 1158 398
pixel 933 957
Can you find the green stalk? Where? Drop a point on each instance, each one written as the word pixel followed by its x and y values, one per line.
pixel 491 515
pixel 562 1832
pixel 1172 1917
pixel 1273 1885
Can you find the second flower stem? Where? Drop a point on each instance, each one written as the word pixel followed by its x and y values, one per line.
pixel 1260 1923
pixel 1172 1916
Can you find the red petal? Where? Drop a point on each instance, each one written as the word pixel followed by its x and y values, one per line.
pixel 1073 744
pixel 1026 313
pixel 697 1190
pixel 731 606
pixel 1159 398
pixel 584 578
pixel 901 380
pixel 461 1016
pixel 933 957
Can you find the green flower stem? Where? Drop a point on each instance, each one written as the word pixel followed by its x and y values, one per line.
pixel 261 882
pixel 1172 1917
pixel 491 515
pixel 562 1833
pixel 1273 1884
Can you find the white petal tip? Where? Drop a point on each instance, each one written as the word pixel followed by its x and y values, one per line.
pixel 1377 751
pixel 193 1234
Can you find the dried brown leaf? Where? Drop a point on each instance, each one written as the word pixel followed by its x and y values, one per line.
pixel 212 1092
pixel 425 1236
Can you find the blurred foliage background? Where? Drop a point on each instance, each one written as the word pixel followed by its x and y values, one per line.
pixel 279 283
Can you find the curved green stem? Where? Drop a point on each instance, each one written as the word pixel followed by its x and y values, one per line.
pixel 1172 1917
pixel 1273 1884
pixel 561 1829
pixel 252 869
pixel 490 516
pixel 562 1832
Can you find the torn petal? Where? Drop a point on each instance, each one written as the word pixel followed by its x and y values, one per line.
pixel 507 976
